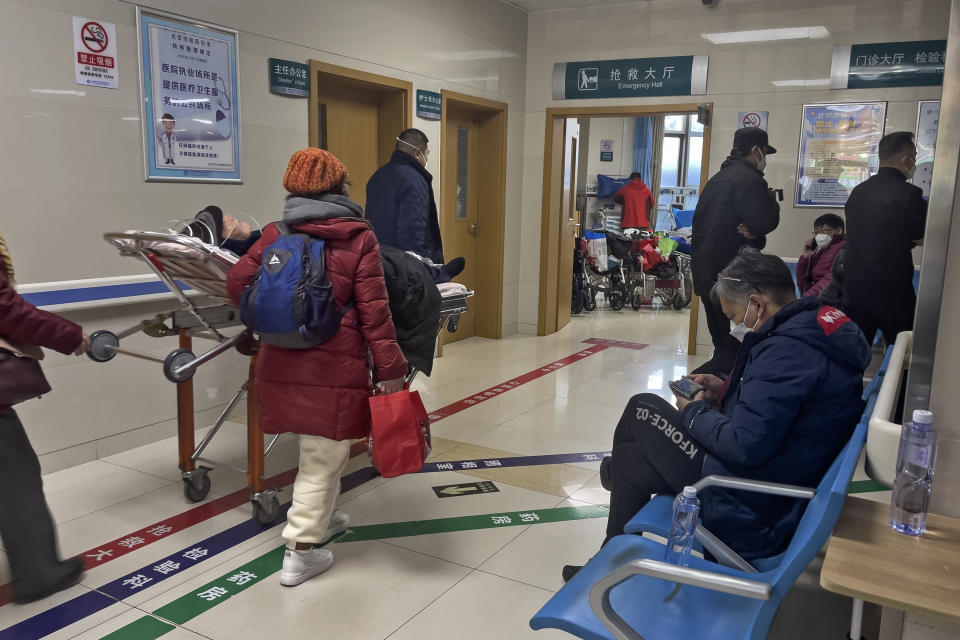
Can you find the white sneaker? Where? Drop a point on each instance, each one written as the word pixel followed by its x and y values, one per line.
pixel 339 522
pixel 300 566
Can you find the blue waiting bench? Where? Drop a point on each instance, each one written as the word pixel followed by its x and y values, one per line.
pixel 626 591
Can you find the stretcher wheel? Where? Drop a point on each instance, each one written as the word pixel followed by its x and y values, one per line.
pixel 576 304
pixel 590 302
pixel 248 344
pixel 196 487
pixel 102 345
pixel 452 323
pixel 174 361
pixel 617 299
pixel 266 511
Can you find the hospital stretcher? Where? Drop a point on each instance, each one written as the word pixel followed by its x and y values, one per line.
pixel 183 264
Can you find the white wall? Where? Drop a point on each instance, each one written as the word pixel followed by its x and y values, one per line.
pixel 620 130
pixel 740 78
pixel 72 165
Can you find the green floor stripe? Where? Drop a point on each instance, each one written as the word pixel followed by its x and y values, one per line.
pixel 866 486
pixel 230 584
pixel 145 627
pixel 465 523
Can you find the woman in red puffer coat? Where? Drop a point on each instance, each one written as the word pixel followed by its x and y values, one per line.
pixel 321 393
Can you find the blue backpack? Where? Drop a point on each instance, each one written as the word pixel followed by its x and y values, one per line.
pixel 290 303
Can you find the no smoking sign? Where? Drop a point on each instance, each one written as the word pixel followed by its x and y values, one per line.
pixel 95 52
pixel 753 119
pixel 94 37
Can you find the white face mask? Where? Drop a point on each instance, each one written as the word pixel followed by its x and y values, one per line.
pixel 912 171
pixel 740 330
pixel 822 240
pixel 762 165
pixel 420 154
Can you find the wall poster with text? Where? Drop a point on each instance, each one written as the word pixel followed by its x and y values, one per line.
pixel 190 102
pixel 838 151
pixel 928 123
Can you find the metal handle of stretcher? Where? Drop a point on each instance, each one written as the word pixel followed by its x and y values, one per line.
pixel 144 242
pixel 142 237
pixel 451 307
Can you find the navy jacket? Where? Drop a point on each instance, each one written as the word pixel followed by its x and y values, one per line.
pixel 402 209
pixel 793 402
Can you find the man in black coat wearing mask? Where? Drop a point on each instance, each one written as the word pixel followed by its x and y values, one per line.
pixel 886 218
pixel 402 208
pixel 736 208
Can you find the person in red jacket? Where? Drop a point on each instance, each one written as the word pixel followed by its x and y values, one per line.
pixel 815 266
pixel 321 393
pixel 26 528
pixel 637 201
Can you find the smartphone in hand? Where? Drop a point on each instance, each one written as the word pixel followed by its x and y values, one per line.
pixel 686 388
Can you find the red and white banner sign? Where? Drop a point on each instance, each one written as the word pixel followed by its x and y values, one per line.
pixel 95 52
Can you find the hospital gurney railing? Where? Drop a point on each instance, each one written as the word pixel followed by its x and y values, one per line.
pixel 452 306
pixel 177 259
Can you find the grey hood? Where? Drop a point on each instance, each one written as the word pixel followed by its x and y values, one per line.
pixel 298 209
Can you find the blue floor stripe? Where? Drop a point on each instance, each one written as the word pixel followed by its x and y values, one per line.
pixel 76 609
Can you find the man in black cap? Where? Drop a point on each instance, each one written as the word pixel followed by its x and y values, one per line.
pixel 735 208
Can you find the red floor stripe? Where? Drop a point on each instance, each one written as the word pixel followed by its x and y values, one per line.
pixel 159 530
pixel 493 392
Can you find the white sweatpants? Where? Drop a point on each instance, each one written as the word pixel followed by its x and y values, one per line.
pixel 316 488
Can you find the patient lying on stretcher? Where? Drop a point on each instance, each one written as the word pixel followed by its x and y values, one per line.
pixel 215 227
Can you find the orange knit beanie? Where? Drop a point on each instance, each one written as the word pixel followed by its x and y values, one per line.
pixel 312 171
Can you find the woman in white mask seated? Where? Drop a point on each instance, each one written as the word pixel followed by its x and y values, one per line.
pixel 783 413
pixel 815 266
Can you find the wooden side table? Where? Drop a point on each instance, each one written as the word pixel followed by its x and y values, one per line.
pixel 869 561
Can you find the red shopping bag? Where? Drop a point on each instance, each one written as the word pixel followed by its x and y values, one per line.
pixel 399 440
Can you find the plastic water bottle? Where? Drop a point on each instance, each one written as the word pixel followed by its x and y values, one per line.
pixel 915 466
pixel 686 508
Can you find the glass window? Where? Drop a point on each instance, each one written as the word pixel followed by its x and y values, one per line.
pixel 674 123
pixel 463 157
pixel 695 127
pixel 670 171
pixel 693 161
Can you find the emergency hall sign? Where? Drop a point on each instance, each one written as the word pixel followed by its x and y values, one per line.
pixel 95 52
pixel 631 78
pixel 190 110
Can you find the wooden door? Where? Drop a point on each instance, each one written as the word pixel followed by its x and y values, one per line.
pixel 569 220
pixel 460 205
pixel 349 118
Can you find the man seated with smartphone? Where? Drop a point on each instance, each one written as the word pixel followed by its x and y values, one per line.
pixel 783 413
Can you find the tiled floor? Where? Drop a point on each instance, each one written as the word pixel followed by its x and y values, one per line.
pixel 481 583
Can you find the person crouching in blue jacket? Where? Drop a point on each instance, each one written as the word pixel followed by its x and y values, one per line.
pixel 783 414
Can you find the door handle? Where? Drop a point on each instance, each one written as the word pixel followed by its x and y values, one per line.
pixel 473 229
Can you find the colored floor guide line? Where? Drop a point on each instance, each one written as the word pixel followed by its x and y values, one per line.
pixel 76 609
pixel 513 383
pixel 866 486
pixel 159 530
pixel 201 600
